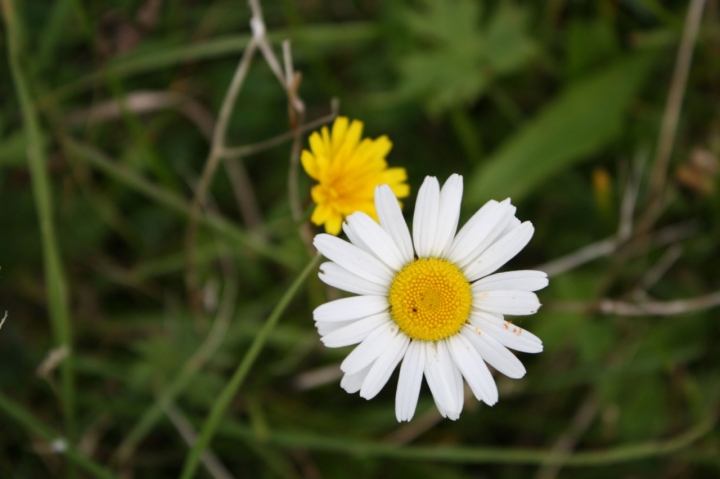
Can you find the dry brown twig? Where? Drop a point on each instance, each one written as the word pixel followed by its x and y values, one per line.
pixel 243 151
pixel 143 102
pixel 671 116
pixel 214 156
pixel 639 308
pixel 290 82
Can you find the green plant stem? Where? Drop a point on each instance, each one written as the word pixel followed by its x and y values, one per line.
pixel 176 203
pixel 42 191
pixel 28 421
pixel 223 401
pixel 476 455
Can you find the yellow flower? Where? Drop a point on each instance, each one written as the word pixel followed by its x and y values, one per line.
pixel 347 170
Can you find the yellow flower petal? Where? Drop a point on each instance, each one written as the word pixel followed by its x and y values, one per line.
pixel 338 132
pixel 348 168
pixel 333 225
pixel 309 164
pixel 317 145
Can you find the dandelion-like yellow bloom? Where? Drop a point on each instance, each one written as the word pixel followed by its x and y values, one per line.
pixel 348 168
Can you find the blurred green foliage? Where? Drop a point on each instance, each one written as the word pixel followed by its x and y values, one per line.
pixel 526 99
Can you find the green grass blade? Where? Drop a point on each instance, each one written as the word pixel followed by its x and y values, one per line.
pixel 223 401
pixel 42 192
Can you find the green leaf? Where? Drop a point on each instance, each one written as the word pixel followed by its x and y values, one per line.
pixel 508 48
pixel 456 56
pixel 588 44
pixel 585 118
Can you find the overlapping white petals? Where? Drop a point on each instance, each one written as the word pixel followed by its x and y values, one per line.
pixel 353 259
pixel 376 240
pixel 409 381
pixel 502 251
pixel 426 217
pixel 452 373
pixel 392 221
pixel 474 370
pixel 353 382
pixel 448 215
pixel 338 277
pixel 441 385
pixel 502 224
pixel 494 353
pixel 355 331
pixel 384 365
pixel 369 350
pixel 367 266
pixel 478 227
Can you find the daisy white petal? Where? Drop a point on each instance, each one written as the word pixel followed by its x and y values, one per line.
pixel 466 239
pixel 514 303
pixel 392 221
pixel 440 385
pixel 501 252
pixel 325 328
pixel 474 231
pixel 353 382
pixel 426 217
pixel 518 280
pixel 355 332
pixel 338 277
pixel 353 259
pixel 506 333
pixel 506 224
pixel 356 240
pixel 410 380
pixel 369 349
pixel 384 366
pixel 346 309
pixel 377 240
pixel 494 353
pixel 448 215
pixel 454 378
pixel 474 370
pixel 514 223
pixel 492 228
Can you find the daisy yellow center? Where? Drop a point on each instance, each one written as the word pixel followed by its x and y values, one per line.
pixel 430 299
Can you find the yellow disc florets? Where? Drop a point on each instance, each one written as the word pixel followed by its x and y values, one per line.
pixel 430 299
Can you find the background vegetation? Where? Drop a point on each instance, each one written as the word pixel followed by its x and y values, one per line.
pixel 600 119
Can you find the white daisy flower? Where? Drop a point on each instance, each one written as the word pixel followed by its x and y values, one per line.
pixel 430 300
